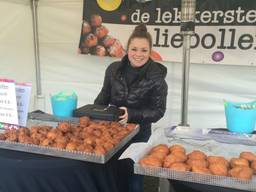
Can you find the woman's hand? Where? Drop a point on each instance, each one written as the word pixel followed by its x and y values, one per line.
pixel 123 118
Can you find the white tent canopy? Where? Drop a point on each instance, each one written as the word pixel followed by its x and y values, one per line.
pixel 62 68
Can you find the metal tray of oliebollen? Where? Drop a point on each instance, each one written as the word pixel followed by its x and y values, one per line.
pixel 214 180
pixel 57 152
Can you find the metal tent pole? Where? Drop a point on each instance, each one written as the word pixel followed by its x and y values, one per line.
pixel 39 99
pixel 187 29
pixel 185 80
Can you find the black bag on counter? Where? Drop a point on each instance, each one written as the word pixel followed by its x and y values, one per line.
pixel 101 112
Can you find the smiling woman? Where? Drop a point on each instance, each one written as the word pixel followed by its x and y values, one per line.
pixel 136 84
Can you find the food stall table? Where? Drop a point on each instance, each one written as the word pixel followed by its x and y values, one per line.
pixel 191 180
pixel 32 172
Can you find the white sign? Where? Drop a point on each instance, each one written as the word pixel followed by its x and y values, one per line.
pixel 22 96
pixel 14 102
pixel 8 104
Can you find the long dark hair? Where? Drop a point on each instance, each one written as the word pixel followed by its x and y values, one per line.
pixel 140 31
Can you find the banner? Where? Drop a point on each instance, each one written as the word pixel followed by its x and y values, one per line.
pixel 225 31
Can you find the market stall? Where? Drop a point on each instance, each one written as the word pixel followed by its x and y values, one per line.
pixel 62 68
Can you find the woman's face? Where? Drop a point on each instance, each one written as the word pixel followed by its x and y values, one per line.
pixel 138 52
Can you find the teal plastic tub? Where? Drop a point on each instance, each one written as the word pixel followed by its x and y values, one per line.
pixel 63 104
pixel 240 117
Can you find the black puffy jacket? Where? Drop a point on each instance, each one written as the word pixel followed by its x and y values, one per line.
pixel 145 99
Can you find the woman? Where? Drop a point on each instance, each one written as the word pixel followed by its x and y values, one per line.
pixel 136 84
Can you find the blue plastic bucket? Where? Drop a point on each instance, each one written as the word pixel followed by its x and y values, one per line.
pixel 63 104
pixel 240 117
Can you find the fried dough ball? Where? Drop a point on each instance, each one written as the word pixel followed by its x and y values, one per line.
pixel 115 141
pixel 116 50
pixel 23 131
pixel 93 124
pixel 160 148
pixel 86 28
pixel 114 124
pixel 108 41
pixel 88 149
pixel 89 129
pixel 99 150
pixel 236 162
pixel 176 147
pixel 99 141
pixel 253 166
pixel 197 162
pixel 34 129
pixel 100 50
pixel 44 130
pixel 25 139
pixel 108 146
pixel 181 157
pixel 96 20
pixel 150 161
pixel 11 135
pixel 122 133
pixel 196 154
pixel 21 138
pixel 64 127
pixel 217 159
pixel 71 146
pixel 59 145
pixel 105 123
pixel 158 154
pixel 52 134
pixel 2 136
pixel 91 40
pixel 101 31
pixel 170 159
pixel 76 133
pixel 46 142
pixel 84 50
pixel 38 136
pixel 130 126
pixel 248 156
pixel 97 133
pixel 61 139
pixel 200 169
pixel 179 167
pixel 84 121
pixel 90 140
pixel 107 137
pixel 218 169
pixel 85 148
pixel 241 172
pixel 35 141
pixel 68 135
